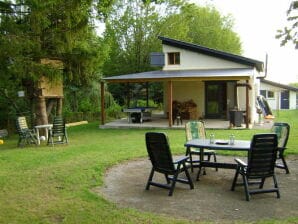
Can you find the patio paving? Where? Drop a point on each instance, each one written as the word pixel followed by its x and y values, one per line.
pixel 160 122
pixel 211 199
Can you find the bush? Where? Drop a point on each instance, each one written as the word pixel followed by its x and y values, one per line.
pixel 114 111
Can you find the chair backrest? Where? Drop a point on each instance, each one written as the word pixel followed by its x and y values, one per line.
pixel 195 130
pixel 159 152
pixel 262 155
pixel 22 126
pixel 282 130
pixel 58 126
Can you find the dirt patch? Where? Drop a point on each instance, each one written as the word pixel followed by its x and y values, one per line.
pixel 211 198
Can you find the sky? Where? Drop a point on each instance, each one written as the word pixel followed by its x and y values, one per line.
pixel 257 22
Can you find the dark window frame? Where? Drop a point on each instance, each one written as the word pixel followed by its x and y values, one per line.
pixel 174 58
pixel 270 94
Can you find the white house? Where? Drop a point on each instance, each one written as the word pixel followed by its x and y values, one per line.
pixel 216 82
pixel 279 96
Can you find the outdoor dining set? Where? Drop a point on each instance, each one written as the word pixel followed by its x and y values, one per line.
pixel 265 152
pixel 54 133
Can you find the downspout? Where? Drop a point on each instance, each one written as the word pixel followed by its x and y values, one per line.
pixel 266 64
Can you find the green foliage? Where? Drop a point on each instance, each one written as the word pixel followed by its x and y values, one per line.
pixel 294 84
pixel 133 27
pixel 31 31
pixel 114 110
pixel 204 26
pixel 143 103
pixel 82 98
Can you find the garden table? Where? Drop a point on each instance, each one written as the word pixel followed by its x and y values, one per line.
pixel 239 145
pixel 43 126
pixel 138 114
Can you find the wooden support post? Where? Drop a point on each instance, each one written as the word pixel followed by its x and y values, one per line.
pixel 170 102
pixel 147 94
pixel 102 95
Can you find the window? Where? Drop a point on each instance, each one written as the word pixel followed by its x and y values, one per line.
pixel 267 94
pixel 270 94
pixel 174 58
pixel 263 93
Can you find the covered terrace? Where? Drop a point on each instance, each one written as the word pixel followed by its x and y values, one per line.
pixel 233 75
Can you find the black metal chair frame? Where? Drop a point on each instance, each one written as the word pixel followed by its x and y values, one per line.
pixel 261 164
pixel 57 134
pixel 26 135
pixel 282 147
pixel 195 151
pixel 162 162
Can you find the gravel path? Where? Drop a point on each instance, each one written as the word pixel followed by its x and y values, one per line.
pixel 210 200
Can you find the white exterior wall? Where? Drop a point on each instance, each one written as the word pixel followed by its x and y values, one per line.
pixel 192 60
pixel 293 100
pixel 274 103
pixel 183 91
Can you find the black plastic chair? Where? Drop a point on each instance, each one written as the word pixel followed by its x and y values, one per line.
pixel 57 134
pixel 282 130
pixel 162 162
pixel 26 135
pixel 261 163
pixel 196 130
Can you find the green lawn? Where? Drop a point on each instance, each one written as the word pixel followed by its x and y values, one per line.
pixel 52 184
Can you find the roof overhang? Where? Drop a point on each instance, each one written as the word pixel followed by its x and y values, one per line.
pixel 279 85
pixel 185 75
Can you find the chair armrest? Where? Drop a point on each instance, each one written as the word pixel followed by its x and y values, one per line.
pixel 240 162
pixel 281 148
pixel 181 160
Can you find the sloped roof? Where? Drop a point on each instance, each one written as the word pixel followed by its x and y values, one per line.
pixel 212 52
pixel 282 86
pixel 201 74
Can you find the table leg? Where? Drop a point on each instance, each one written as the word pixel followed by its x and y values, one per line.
pixel 47 133
pixel 201 165
pixel 37 136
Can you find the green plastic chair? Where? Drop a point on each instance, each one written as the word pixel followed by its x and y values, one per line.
pixel 26 135
pixel 196 130
pixel 58 134
pixel 282 130
pixel 160 155
pixel 260 166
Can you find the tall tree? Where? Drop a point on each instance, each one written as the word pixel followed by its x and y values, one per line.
pixel 131 31
pixel 33 30
pixel 209 28
pixel 133 28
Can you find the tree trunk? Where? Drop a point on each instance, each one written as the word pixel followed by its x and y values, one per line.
pixel 41 113
pixel 51 103
pixel 59 106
